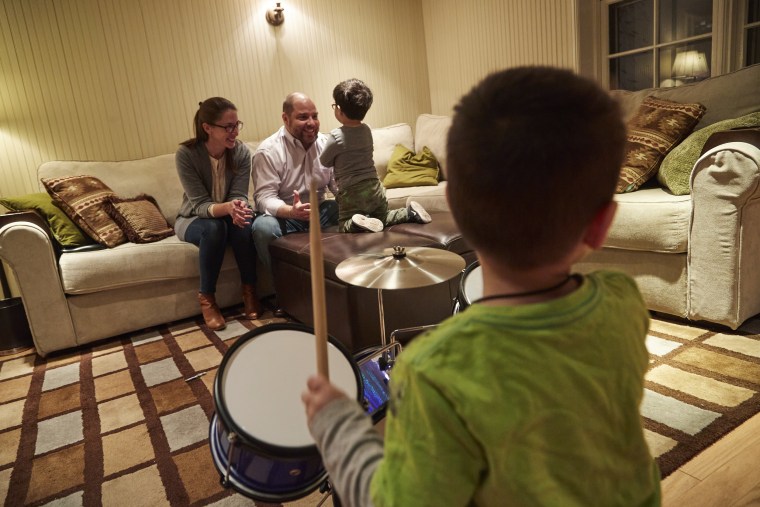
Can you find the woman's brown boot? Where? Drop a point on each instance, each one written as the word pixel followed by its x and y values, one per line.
pixel 251 303
pixel 211 313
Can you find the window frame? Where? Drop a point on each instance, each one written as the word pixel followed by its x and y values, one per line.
pixel 728 39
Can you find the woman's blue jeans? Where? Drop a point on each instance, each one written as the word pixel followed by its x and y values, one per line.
pixel 212 235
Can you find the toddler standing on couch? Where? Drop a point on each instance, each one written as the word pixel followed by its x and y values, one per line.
pixel 362 205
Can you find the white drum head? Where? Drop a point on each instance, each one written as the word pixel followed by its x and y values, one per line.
pixel 263 379
pixel 473 284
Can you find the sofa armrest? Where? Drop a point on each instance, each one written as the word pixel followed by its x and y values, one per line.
pixel 724 233
pixel 30 252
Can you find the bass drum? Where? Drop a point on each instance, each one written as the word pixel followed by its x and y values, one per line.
pixel 260 442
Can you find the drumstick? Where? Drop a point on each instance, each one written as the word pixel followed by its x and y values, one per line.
pixel 318 282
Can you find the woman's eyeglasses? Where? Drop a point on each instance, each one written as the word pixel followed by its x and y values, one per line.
pixel 230 128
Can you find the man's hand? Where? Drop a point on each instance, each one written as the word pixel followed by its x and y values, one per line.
pixel 299 210
pixel 240 213
pixel 320 393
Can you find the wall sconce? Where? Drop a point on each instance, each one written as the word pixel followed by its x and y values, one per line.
pixel 690 65
pixel 275 17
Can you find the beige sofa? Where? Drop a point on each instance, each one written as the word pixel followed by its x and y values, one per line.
pixel 74 298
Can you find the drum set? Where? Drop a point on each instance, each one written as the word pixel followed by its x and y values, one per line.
pixel 259 437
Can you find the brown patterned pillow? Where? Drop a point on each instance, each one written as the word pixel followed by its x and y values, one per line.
pixel 655 129
pixel 82 198
pixel 140 218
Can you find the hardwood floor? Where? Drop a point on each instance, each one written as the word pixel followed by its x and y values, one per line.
pixel 727 474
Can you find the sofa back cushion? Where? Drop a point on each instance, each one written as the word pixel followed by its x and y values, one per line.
pixel 385 140
pixel 156 176
pixel 728 96
pixel 432 131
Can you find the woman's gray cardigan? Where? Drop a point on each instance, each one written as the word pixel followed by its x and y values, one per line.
pixel 195 174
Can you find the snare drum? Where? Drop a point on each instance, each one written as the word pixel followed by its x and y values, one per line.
pixel 470 286
pixel 259 437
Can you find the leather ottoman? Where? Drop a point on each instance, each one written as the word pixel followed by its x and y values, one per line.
pixel 353 312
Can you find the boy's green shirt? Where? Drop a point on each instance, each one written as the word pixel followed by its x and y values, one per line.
pixel 527 405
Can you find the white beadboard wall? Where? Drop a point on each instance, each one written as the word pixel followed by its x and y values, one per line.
pixel 121 79
pixel 466 40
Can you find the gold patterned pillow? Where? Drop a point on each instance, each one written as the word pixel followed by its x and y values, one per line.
pixel 655 129
pixel 82 198
pixel 140 218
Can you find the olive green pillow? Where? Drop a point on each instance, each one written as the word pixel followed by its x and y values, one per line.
pixel 675 170
pixel 409 169
pixel 61 226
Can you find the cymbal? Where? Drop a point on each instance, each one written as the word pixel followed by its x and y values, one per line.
pixel 400 268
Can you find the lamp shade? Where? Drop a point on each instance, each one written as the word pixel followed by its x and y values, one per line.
pixel 690 64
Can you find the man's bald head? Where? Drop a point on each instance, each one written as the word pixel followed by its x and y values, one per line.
pixel 291 99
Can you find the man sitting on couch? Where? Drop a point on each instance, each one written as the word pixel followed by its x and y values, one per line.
pixel 283 166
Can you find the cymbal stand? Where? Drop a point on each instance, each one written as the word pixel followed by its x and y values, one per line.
pixel 386 362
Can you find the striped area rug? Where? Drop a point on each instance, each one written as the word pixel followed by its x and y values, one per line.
pixel 701 384
pixel 118 423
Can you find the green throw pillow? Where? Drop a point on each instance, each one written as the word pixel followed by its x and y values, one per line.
pixel 407 169
pixel 675 170
pixel 63 229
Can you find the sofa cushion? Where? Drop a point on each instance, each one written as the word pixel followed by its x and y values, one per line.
pixel 652 132
pixel 82 197
pixel 744 96
pixel 651 220
pixel 132 264
pixel 66 232
pixel 433 131
pixel 431 198
pixel 675 170
pixel 409 169
pixel 727 96
pixel 139 217
pixel 385 140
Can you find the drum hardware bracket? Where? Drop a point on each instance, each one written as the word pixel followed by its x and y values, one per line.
pixel 327 490
pixel 386 360
pixel 231 439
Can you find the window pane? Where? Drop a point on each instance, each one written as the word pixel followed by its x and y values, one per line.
pixel 632 72
pixel 752 49
pixel 680 19
pixel 630 25
pixel 685 63
pixel 753 11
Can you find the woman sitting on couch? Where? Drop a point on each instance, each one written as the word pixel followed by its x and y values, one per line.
pixel 215 168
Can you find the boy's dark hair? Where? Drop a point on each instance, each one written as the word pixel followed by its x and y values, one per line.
pixel 533 153
pixel 353 97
